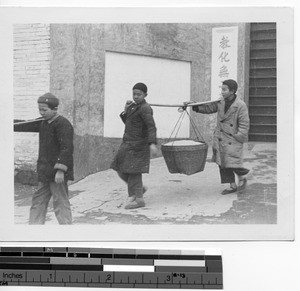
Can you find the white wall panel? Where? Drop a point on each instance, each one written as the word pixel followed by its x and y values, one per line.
pixel 168 82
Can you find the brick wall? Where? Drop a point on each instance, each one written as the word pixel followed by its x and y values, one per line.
pixel 31 79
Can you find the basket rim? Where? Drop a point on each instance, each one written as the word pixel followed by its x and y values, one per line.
pixel 200 142
pixel 184 148
pixel 204 144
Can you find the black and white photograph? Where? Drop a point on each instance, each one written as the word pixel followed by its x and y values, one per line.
pixel 150 124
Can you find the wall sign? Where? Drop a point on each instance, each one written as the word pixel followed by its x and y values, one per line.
pixel 224 58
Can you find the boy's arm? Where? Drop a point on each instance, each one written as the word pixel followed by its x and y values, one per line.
pixel 123 115
pixel 27 125
pixel 206 108
pixel 243 125
pixel 65 134
pixel 147 116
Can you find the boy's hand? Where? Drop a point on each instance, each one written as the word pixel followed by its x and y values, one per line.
pixel 185 103
pixel 153 149
pixel 59 177
pixel 128 103
pixel 196 108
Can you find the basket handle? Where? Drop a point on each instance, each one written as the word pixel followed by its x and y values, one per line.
pixel 180 119
pixel 179 122
pixel 196 130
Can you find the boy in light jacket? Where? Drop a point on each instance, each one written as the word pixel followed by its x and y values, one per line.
pixel 230 134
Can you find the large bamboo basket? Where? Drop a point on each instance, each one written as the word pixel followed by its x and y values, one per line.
pixel 185 159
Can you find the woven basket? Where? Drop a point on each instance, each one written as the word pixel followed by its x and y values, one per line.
pixel 187 159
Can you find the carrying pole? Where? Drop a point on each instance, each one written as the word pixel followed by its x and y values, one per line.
pixel 28 121
pixel 185 104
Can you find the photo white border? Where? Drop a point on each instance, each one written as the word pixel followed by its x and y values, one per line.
pixel 283 230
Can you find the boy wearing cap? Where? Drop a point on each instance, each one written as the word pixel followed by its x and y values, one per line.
pixel 139 139
pixel 230 134
pixel 55 161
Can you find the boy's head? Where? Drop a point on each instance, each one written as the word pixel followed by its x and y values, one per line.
pixel 48 104
pixel 139 92
pixel 232 85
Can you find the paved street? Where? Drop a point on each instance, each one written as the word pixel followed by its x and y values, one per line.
pixel 176 198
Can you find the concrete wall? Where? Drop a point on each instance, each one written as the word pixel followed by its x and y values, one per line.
pixel 168 82
pixel 77 75
pixel 207 122
pixel 31 79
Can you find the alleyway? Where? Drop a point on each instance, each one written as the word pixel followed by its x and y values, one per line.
pixel 176 198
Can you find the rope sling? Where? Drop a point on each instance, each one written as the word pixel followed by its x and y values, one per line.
pixel 185 159
pixel 179 123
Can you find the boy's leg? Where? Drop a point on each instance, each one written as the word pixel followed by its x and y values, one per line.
pixel 227 176
pixel 123 176
pixel 135 188
pixel 39 205
pixel 135 185
pixel 241 172
pixel 61 203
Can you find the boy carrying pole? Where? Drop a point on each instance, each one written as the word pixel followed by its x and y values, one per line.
pixel 55 161
pixel 139 139
pixel 230 134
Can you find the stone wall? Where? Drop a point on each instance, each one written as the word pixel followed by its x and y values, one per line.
pixel 78 73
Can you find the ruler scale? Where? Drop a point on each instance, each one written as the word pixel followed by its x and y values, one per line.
pixel 110 268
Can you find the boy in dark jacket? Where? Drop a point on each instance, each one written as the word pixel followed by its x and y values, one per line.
pixel 55 161
pixel 133 157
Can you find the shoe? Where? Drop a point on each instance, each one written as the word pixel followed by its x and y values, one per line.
pixel 130 199
pixel 243 185
pixel 229 191
pixel 137 203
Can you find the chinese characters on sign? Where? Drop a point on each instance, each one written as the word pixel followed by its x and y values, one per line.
pixel 224 58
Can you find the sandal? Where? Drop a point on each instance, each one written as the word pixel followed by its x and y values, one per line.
pixel 243 185
pixel 229 191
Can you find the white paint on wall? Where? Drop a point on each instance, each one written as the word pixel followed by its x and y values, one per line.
pixel 168 82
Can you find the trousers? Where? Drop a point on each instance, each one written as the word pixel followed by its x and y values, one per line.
pixel 134 184
pixel 227 174
pixel 61 204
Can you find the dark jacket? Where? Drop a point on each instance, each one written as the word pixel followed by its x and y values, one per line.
pixel 133 155
pixel 230 133
pixel 55 146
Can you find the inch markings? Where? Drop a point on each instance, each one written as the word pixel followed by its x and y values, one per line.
pixel 110 268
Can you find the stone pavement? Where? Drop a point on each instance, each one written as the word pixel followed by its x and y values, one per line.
pixel 176 198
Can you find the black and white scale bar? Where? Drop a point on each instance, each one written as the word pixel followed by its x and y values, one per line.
pixel 117 268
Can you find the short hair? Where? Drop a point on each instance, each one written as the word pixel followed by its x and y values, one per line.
pixel 232 85
pixel 140 86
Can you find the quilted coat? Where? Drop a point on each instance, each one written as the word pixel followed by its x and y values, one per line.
pixel 133 155
pixel 55 146
pixel 230 133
